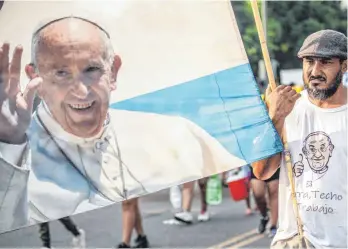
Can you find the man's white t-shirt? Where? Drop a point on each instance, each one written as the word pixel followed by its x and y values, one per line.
pixel 317 140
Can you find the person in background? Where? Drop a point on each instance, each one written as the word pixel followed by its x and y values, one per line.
pixel 248 210
pixel 258 188
pixel 185 214
pixel 259 191
pixel 79 237
pixel 131 219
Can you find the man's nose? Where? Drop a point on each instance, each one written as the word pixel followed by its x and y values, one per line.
pixel 316 69
pixel 81 90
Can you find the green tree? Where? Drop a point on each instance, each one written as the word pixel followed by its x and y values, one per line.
pixel 288 24
pixel 299 19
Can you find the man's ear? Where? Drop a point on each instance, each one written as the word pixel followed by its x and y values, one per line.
pixel 344 67
pixel 31 73
pixel 304 151
pixel 114 71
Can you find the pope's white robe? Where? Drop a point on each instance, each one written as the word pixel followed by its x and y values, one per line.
pixel 136 153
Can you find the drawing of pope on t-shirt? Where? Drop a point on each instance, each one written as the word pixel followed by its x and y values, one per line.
pixel 317 149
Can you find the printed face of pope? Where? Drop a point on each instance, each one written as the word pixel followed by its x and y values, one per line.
pixel 318 151
pixel 79 71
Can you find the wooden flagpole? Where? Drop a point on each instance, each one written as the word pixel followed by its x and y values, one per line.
pixel 273 85
pixel 263 43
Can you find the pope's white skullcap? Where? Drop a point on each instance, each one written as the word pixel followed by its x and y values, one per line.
pixel 46 22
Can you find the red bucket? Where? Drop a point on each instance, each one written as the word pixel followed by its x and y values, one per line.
pixel 239 189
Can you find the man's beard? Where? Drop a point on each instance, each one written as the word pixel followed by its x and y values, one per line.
pixel 323 94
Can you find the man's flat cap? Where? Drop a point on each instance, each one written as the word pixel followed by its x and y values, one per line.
pixel 325 43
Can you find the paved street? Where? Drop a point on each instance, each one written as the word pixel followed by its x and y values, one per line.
pixel 228 227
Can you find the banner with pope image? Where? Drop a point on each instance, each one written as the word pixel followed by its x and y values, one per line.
pixel 136 97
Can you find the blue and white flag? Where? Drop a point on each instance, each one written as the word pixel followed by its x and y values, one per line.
pixel 165 86
pixel 193 64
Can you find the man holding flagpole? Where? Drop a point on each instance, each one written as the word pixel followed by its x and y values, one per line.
pixel 316 131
